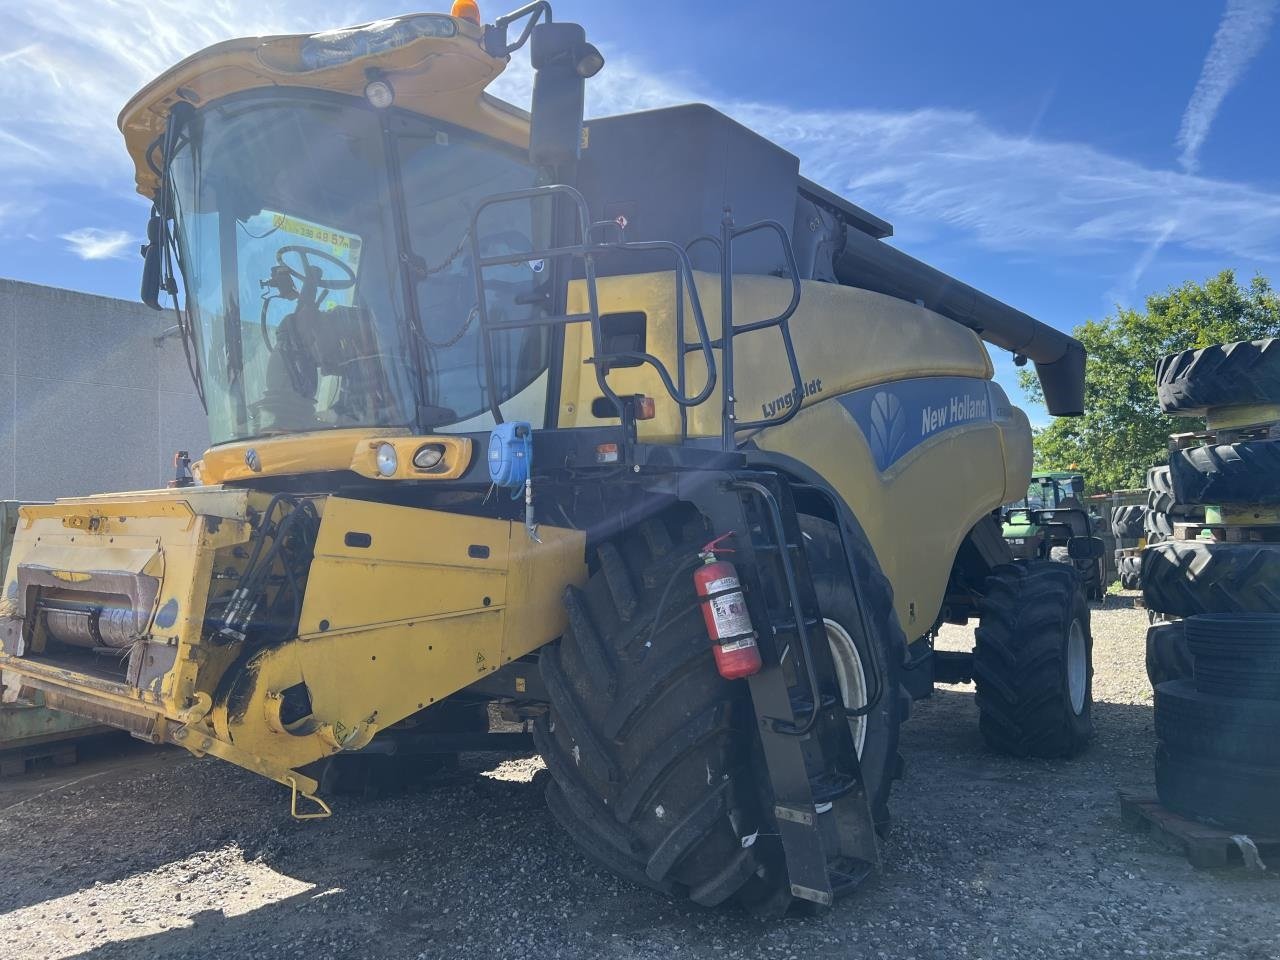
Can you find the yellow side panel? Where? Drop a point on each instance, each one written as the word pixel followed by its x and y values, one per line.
pixel 432 603
pixel 538 575
pixel 845 338
pixel 918 512
pixel 418 565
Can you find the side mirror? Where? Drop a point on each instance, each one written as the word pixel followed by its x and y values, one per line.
pixel 562 61
pixel 1085 548
pixel 152 265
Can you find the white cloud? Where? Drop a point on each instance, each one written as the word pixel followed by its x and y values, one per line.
pixel 1241 35
pixel 90 243
pixel 74 64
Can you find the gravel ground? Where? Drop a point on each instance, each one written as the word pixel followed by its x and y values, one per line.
pixel 145 853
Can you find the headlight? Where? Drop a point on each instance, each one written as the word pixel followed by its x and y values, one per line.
pixel 379 94
pixel 428 456
pixel 388 462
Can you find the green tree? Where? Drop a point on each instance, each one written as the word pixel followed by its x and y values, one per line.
pixel 1123 432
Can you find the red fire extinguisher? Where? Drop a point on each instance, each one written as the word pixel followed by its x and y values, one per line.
pixel 724 608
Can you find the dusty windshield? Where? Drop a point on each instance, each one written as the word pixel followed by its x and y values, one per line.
pixel 329 277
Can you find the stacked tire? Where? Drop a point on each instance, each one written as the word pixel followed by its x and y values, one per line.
pixel 1164 510
pixel 1216 671
pixel 1128 522
pixel 1187 577
pixel 1218 756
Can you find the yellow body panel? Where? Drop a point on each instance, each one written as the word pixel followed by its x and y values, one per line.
pixel 436 76
pixel 415 606
pixel 917 512
pixel 845 338
pixel 326 452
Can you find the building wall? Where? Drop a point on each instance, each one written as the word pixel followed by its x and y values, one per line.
pixel 94 397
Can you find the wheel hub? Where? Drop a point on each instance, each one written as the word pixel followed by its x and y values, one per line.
pixel 852 678
pixel 1077 667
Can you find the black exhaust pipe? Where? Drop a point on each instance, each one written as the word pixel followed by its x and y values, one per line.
pixel 872 265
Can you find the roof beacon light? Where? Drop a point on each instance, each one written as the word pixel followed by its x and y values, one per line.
pixel 466 10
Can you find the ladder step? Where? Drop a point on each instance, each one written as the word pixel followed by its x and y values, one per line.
pixel 827 789
pixel 852 876
pixel 773 547
pixel 789 623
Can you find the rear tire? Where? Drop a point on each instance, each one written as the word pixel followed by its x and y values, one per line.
pixel 1230 473
pixel 1190 722
pixel 1238 636
pixel 1186 577
pixel 1224 375
pixel 1129 566
pixel 1126 521
pixel 1167 655
pixel 1237 796
pixel 656 771
pixel 1089 571
pixel 1160 497
pixel 1032 661
pixel 1159 526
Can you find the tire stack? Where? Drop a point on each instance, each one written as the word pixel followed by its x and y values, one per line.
pixel 1163 509
pixel 1128 523
pixel 1218 756
pixel 1211 569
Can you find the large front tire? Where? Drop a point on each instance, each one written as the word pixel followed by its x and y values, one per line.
pixel 656 771
pixel 1033 661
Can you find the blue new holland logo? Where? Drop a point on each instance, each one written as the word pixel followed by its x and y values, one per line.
pixel 898 417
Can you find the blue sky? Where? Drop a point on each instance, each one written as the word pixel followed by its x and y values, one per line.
pixel 1064 158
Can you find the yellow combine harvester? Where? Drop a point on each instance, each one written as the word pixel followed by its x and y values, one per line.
pixel 492 396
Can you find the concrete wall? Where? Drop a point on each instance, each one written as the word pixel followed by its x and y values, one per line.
pixel 90 401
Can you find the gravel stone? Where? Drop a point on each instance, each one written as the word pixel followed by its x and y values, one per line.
pixel 144 853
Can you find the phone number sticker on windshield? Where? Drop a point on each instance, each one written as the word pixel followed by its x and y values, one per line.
pixel 345 245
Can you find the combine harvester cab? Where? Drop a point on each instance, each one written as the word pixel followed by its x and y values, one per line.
pixel 491 396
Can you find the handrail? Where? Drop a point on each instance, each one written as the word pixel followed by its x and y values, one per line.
pixel 781 321
pixel 588 251
pixel 730 425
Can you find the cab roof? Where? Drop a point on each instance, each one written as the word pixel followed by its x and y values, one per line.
pixel 435 63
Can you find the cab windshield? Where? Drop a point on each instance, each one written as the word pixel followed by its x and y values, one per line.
pixel 326 255
pixel 1048 493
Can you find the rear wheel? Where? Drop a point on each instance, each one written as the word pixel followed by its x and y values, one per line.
pixel 1186 577
pixel 1160 498
pixel 1233 473
pixel 1228 374
pixel 1167 655
pixel 1238 796
pixel 656 771
pixel 1126 521
pixel 1033 661
pixel 1224 728
pixel 1090 571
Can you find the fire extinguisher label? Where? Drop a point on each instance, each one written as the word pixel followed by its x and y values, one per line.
pixel 730 613
pixel 724 583
pixel 735 645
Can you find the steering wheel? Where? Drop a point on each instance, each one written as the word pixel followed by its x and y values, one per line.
pixel 304 254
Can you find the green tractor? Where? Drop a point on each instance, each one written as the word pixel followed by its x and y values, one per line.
pixel 1048 518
